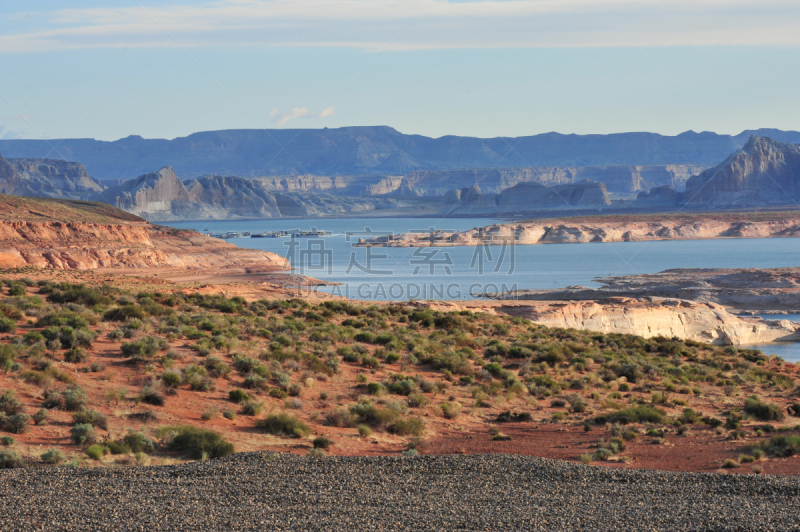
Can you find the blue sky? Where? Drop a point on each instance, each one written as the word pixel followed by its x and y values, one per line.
pixel 433 67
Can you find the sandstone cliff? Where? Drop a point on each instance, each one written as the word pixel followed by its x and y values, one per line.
pixel 46 178
pixel 763 172
pixel 526 197
pixel 85 235
pixel 647 317
pixel 754 290
pixel 154 195
pixel 610 229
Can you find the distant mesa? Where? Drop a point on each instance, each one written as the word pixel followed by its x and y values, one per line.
pixel 525 197
pixel 46 178
pixel 379 150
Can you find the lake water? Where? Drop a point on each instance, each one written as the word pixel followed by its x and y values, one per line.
pixel 789 351
pixel 464 272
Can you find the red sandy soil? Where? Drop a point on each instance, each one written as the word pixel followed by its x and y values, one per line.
pixel 701 449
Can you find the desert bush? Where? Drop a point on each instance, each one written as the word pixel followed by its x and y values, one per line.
pixel 145 347
pixel 7 325
pixel 238 396
pixel 322 442
pixel 284 425
pixel 52 457
pixel 417 399
pixel 252 408
pixel 83 433
pixel 195 442
pixel 91 417
pixel 137 442
pixel 74 398
pixel 171 379
pixel 780 445
pixel 364 431
pixel 9 404
pixel 407 426
pixel 10 459
pixel 41 416
pixel 152 395
pixel 116 447
pixel 316 453
pixel 451 410
pixel 762 411
pixel 7 441
pixel 339 417
pixel 18 423
pixel 52 400
pixel 513 417
pixel 96 451
pixel 634 414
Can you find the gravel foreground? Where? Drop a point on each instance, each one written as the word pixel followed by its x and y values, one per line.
pixel 265 491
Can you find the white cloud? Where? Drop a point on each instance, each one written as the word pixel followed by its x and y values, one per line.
pixel 291 114
pixel 328 111
pixel 280 118
pixel 419 24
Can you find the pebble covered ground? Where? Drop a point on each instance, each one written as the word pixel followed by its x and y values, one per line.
pixel 264 491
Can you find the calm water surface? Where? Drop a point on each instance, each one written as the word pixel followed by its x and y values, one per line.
pixel 465 272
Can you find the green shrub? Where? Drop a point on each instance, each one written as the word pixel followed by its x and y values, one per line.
pixel 364 431
pixel 137 442
pixel 339 417
pixel 145 347
pixel 75 355
pixel 90 417
pixel 9 404
pixel 451 410
pixel 7 325
pixel 407 426
pixel 171 379
pixel 53 457
pixel 116 447
pixel 238 396
pixel 195 442
pixel 10 459
pixel 7 441
pixel 635 414
pixel 18 423
pixel 96 451
pixel 74 398
pixel 781 445
pixel 82 434
pixel 322 442
pixel 762 411
pixel 252 408
pixel 284 425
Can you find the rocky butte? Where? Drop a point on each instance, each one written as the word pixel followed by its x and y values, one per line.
pixel 763 172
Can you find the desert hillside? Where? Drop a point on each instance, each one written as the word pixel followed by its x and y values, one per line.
pixel 81 235
pixel 100 374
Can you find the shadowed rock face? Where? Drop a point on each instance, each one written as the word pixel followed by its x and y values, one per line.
pixel 46 178
pixel 763 172
pixel 526 197
pixel 148 195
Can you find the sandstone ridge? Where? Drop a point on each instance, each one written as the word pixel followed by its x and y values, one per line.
pixel 647 317
pixel 30 236
pixel 607 229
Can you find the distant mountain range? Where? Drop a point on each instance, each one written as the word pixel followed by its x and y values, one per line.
pixel 377 150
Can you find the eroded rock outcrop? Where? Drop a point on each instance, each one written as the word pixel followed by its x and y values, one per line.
pixel 46 178
pixel 601 229
pixel 154 195
pixel 86 236
pixel 763 172
pixel 526 197
pixel 647 317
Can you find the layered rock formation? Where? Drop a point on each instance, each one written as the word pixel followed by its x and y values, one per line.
pixel 161 196
pixel 608 229
pixel 755 290
pixel 85 236
pixel 763 172
pixel 46 178
pixel 647 317
pixel 618 179
pixel 526 197
pixel 155 195
pixel 380 150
